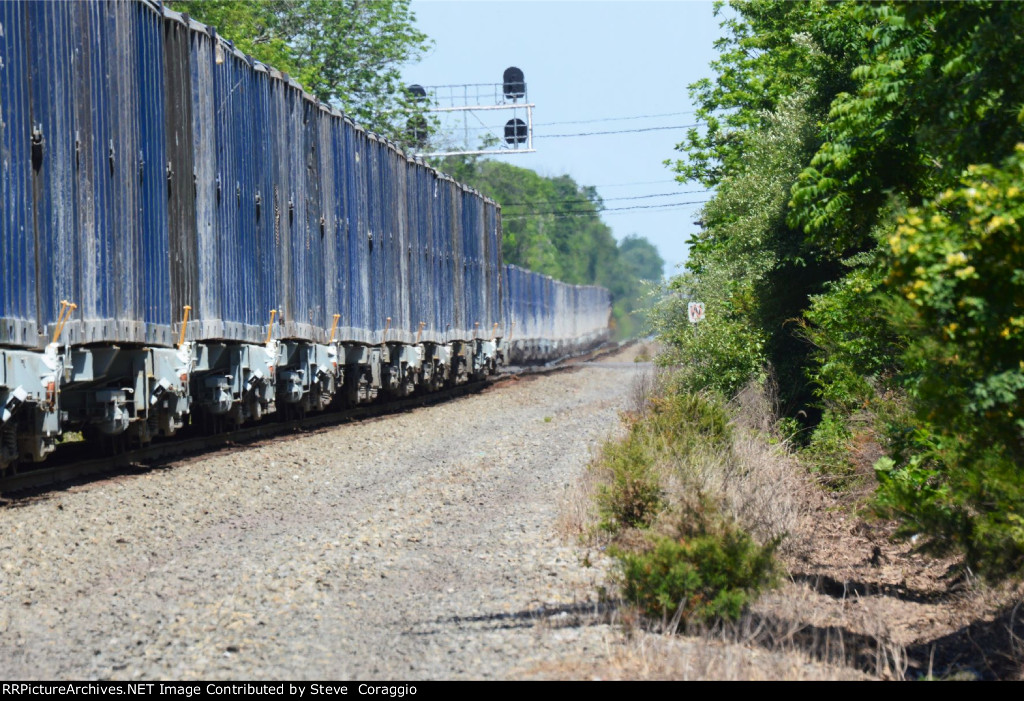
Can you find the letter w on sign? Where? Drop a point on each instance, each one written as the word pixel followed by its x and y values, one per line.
pixel 696 310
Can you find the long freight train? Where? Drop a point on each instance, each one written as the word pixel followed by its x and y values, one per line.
pixel 186 235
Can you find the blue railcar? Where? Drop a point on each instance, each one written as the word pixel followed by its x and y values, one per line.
pixel 153 174
pixel 98 224
pixel 547 318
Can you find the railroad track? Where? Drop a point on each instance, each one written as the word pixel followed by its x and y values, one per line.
pixel 68 465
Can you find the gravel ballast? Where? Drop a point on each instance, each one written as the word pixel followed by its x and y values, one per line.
pixel 415 546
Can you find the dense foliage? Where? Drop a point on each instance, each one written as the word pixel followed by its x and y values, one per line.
pixel 553 226
pixel 346 52
pixel 864 246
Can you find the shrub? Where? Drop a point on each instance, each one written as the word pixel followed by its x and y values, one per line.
pixel 829 451
pixel 632 496
pixel 696 577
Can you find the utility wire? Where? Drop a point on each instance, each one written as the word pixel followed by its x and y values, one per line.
pixel 580 213
pixel 616 119
pixel 609 199
pixel 617 131
pixel 648 182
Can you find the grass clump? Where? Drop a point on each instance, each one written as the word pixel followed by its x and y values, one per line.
pixel 664 431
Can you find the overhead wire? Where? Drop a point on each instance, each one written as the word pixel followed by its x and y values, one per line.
pixel 603 199
pixel 615 119
pixel 615 131
pixel 646 182
pixel 597 212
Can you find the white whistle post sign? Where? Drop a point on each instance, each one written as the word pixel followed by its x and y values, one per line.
pixel 696 310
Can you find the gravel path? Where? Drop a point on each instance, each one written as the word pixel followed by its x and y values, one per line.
pixel 420 545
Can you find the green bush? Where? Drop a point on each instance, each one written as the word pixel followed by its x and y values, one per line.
pixel 700 576
pixel 957 271
pixel 632 497
pixel 829 451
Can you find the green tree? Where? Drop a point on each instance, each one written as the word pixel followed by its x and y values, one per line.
pixel 880 226
pixel 641 258
pixel 937 88
pixel 779 67
pixel 346 52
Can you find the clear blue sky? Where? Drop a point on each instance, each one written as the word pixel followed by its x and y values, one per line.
pixel 582 61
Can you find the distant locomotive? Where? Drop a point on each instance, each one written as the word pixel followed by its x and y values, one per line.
pixel 186 235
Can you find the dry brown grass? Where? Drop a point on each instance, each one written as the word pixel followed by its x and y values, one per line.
pixel 577 515
pixel 756 481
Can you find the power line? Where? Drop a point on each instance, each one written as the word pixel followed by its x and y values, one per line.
pixel 609 199
pixel 616 119
pixel 647 182
pixel 617 131
pixel 596 213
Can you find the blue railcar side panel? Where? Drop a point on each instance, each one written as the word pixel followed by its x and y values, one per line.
pixel 378 257
pixel 385 282
pixel 258 205
pixel 410 254
pixel 442 255
pixel 184 272
pixel 280 296
pixel 420 291
pixel 155 271
pixel 312 313
pixel 329 220
pixel 452 245
pixel 467 258
pixel 51 33
pixel 342 276
pixel 358 159
pixel 424 297
pixel 389 222
pixel 228 95
pixel 432 272
pixel 402 247
pixel 245 144
pixel 298 209
pixel 460 317
pixel 96 145
pixel 208 239
pixel 124 122
pixel 18 318
pixel 375 197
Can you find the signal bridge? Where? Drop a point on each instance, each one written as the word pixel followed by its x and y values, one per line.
pixel 498 117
